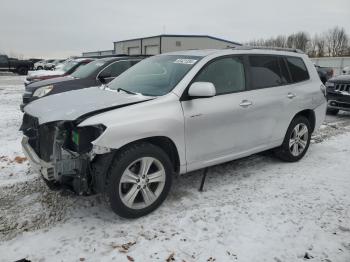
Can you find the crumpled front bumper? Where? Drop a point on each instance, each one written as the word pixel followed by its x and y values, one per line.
pixel 46 169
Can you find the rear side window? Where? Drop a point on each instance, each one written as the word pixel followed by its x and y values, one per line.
pixel 119 67
pixel 297 69
pixel 227 75
pixel 265 71
pixel 116 69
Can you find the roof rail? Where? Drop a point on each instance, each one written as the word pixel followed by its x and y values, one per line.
pixel 294 50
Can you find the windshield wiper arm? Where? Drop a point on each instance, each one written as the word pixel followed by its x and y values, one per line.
pixel 126 91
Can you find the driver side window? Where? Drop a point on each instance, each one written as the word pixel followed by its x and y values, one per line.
pixel 227 75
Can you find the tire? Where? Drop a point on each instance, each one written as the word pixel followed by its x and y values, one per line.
pixel 22 71
pixel 136 187
pixel 295 152
pixel 332 111
pixel 39 68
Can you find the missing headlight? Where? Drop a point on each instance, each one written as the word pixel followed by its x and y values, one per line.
pixel 79 139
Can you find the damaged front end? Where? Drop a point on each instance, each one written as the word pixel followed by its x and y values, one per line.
pixel 61 152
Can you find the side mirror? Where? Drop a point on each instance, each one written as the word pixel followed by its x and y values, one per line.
pixel 202 89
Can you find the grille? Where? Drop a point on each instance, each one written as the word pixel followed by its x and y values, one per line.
pixel 342 87
pixel 46 139
pixel 40 138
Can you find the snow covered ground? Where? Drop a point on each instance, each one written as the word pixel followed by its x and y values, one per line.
pixel 253 209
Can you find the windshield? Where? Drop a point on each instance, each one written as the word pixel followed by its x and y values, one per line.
pixel 68 66
pixel 155 76
pixel 87 70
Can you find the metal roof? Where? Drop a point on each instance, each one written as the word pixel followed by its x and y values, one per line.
pixel 170 35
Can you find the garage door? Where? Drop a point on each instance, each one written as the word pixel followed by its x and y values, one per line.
pixel 133 51
pixel 151 49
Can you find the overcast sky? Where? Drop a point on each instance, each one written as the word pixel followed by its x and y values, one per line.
pixel 59 28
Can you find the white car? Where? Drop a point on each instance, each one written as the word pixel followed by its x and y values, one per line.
pixel 41 64
pixel 172 114
pixel 346 70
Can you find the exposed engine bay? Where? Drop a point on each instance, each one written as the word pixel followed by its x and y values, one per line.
pixel 63 150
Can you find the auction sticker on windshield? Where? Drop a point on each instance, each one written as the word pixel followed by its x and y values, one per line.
pixel 185 61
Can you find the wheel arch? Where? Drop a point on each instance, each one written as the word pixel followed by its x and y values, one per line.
pixel 163 142
pixel 310 115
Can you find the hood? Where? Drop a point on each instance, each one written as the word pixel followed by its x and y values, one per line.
pixel 45 73
pixel 72 105
pixel 340 79
pixel 33 86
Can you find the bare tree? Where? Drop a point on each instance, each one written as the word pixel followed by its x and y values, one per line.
pixel 321 43
pixel 336 41
pixel 312 47
pixel 298 40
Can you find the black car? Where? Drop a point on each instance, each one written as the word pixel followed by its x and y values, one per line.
pixel 324 73
pixel 338 94
pixel 95 73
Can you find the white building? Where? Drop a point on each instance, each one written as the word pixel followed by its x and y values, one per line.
pixel 168 43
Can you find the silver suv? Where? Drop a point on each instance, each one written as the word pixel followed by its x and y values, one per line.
pixel 174 113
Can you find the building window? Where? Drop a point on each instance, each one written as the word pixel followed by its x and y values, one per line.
pixel 178 43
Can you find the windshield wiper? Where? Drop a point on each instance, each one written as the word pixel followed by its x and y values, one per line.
pixel 126 91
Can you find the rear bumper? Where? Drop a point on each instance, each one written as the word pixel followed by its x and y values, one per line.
pixel 46 169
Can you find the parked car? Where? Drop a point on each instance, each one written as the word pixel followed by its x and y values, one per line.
pixel 325 73
pixel 41 64
pixel 14 65
pixel 174 113
pixel 52 65
pixel 346 70
pixel 95 73
pixel 34 60
pixel 338 94
pixel 67 69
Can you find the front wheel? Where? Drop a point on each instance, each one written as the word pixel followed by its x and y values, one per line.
pixel 139 180
pixel 296 141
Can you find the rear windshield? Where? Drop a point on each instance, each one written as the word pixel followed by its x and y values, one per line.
pixel 89 69
pixel 68 66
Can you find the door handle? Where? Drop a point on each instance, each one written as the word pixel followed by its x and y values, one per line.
pixel 291 95
pixel 245 103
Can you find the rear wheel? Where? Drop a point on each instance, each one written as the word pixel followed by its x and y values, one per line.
pixel 296 141
pixel 332 111
pixel 139 180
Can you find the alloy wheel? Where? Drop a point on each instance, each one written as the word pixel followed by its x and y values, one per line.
pixel 298 139
pixel 142 182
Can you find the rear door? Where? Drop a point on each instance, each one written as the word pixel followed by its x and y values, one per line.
pixel 303 92
pixel 268 93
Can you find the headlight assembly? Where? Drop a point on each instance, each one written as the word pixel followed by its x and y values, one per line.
pixel 43 91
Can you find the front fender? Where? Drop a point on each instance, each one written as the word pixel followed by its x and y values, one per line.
pixel 159 117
